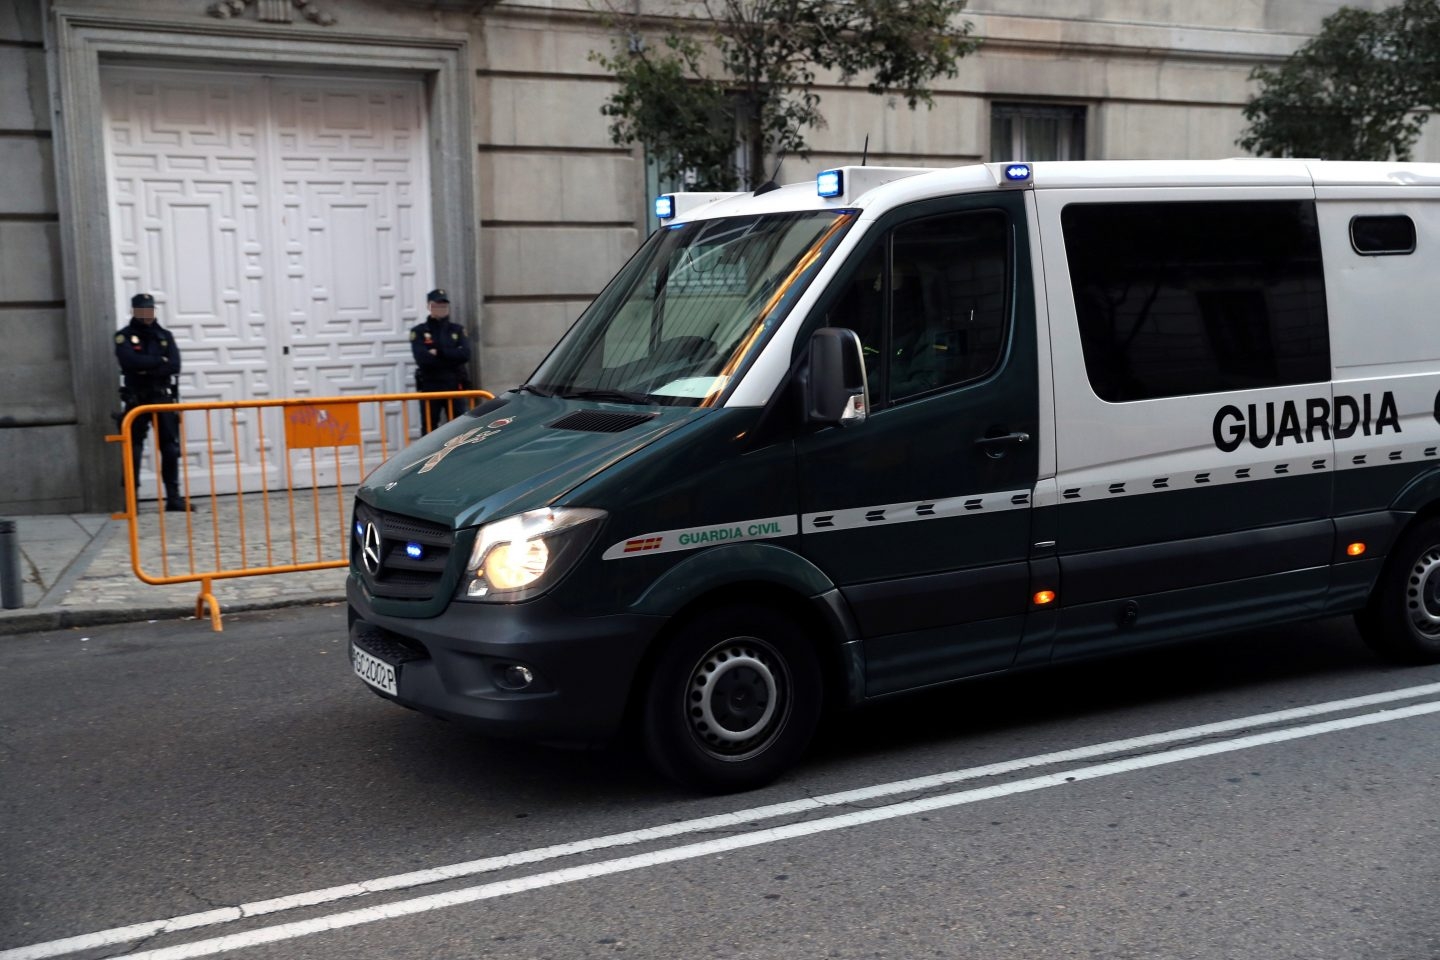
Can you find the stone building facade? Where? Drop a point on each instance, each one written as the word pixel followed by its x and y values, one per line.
pixel 289 177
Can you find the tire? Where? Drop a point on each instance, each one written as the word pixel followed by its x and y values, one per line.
pixel 733 700
pixel 1402 622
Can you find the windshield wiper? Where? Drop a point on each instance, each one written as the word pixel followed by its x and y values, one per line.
pixel 538 391
pixel 597 393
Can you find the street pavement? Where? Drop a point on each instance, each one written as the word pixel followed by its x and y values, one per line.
pixel 77 570
pixel 1226 800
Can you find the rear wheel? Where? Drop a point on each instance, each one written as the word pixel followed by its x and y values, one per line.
pixel 1403 620
pixel 734 699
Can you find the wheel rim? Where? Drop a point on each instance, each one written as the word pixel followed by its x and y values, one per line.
pixel 1422 594
pixel 738 698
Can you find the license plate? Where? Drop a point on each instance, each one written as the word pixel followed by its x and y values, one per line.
pixel 374 671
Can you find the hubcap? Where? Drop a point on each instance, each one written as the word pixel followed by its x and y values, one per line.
pixel 737 698
pixel 1422 594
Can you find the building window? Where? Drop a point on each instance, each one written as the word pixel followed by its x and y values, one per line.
pixel 1026 131
pixel 1198 297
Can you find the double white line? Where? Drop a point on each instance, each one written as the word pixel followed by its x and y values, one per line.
pixel 743 820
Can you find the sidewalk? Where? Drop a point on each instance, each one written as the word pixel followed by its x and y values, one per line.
pixel 76 568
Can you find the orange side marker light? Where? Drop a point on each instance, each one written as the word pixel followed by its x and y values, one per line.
pixel 1044 597
pixel 1355 549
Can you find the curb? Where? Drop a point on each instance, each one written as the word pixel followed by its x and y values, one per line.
pixel 36 621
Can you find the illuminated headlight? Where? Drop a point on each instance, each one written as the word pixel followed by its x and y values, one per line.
pixel 520 556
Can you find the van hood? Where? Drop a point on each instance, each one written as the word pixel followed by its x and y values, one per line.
pixel 515 453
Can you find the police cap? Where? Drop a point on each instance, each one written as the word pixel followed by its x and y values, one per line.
pixel 437 296
pixel 142 300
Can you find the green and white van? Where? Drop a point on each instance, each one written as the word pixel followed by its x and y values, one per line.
pixel 834 441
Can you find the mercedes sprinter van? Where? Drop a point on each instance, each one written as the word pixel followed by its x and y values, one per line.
pixel 894 428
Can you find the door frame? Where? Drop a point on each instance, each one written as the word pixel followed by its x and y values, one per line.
pixel 83 41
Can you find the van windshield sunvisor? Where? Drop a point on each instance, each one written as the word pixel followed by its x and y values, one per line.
pixel 684 317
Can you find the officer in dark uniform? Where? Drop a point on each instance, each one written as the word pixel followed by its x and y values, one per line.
pixel 149 366
pixel 442 355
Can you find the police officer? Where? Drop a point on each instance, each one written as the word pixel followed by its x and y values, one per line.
pixel 442 355
pixel 149 365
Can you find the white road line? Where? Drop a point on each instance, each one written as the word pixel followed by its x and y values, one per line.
pixel 736 820
pixel 489 891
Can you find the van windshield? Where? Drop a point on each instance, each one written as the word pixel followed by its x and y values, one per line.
pixel 690 308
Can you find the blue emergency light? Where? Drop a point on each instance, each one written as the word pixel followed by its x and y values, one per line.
pixel 830 183
pixel 359 530
pixel 414 551
pixel 664 207
pixel 1017 172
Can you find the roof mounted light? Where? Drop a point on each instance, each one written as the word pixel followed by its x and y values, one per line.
pixel 1017 172
pixel 830 183
pixel 664 207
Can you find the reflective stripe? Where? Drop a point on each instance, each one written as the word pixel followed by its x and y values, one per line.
pixel 890 513
pixel 693 538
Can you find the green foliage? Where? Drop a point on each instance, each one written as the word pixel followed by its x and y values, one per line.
pixel 745 73
pixel 1359 90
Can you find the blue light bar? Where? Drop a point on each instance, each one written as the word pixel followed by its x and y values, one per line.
pixel 414 551
pixel 830 183
pixel 664 207
pixel 1017 172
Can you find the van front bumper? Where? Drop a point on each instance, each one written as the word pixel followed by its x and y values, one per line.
pixel 457 665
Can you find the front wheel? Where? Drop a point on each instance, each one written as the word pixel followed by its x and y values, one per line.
pixel 734 699
pixel 1403 620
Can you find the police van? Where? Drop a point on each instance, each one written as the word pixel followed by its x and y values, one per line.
pixel 894 428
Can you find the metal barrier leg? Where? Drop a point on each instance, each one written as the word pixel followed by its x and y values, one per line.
pixel 207 599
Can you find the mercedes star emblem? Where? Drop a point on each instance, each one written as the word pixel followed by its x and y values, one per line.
pixel 370 549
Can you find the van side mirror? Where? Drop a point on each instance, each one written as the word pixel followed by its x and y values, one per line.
pixel 836 391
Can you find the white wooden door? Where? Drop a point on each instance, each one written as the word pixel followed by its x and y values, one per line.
pixel 283 225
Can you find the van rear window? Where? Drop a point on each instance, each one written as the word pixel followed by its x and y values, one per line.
pixel 1382 236
pixel 1197 297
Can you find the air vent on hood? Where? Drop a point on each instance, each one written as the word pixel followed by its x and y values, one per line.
pixel 599 421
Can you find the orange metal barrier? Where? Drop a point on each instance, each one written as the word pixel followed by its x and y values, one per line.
pixel 228 466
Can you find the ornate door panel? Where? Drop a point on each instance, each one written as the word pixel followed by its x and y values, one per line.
pixel 283 226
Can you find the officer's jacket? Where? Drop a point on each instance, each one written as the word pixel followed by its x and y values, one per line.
pixel 148 359
pixel 445 370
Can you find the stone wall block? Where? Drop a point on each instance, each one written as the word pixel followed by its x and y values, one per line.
pixel 1161 132
pixel 505 368
pixel 20 20
pixel 509 325
pixel 545 261
pixel 28 183
pixel 947 129
pixel 46 471
pixel 584 188
pixel 512 187
pixel 535 48
pixel 547 113
pixel 34 368
pixel 24 101
pixel 30 267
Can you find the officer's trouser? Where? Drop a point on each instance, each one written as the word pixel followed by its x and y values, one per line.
pixel 437 411
pixel 169 436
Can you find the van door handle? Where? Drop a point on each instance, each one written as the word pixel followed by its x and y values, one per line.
pixel 995 446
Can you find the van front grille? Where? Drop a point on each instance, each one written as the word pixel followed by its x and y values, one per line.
pixel 406 557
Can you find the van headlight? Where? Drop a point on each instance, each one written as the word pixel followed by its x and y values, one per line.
pixel 520 556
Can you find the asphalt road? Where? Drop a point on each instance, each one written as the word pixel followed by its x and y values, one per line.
pixel 157 772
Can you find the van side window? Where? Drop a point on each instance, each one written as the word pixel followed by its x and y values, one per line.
pixel 948 282
pixel 1382 236
pixel 937 316
pixel 1197 297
